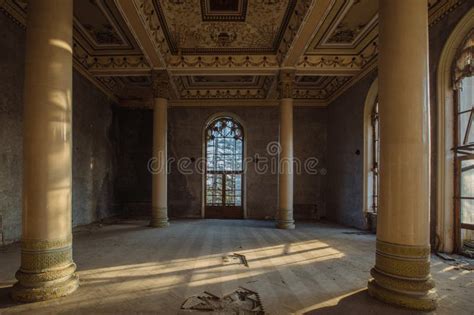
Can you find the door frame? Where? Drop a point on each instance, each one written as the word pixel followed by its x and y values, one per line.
pixel 210 119
pixel 457 202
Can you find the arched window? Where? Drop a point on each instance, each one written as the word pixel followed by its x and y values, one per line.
pixel 463 84
pixel 224 137
pixel 375 157
pixel 448 78
pixel 371 156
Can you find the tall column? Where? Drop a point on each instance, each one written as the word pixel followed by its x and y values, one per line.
pixel 285 165
pixel 402 267
pixel 47 269
pixel 159 214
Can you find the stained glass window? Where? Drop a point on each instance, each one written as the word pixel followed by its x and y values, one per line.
pixel 224 162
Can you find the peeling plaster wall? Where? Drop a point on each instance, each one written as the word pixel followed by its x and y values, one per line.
pixel 12 65
pixel 93 153
pixel 185 140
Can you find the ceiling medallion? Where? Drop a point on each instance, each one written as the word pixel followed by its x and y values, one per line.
pixel 223 38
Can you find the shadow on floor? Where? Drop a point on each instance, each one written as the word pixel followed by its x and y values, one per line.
pixel 360 303
pixel 5 299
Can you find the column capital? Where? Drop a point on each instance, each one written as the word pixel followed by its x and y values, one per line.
pixel 286 82
pixel 160 84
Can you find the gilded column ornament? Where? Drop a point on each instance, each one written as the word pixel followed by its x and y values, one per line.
pixel 161 84
pixel 403 268
pixel 286 83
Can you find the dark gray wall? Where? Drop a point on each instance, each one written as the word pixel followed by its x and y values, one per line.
pixel 93 153
pixel 185 125
pixel 345 134
pixel 12 64
pixel 94 157
pixel 345 155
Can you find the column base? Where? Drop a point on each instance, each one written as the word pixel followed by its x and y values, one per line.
pixel 159 223
pixel 425 302
pixel 47 270
pixel 42 291
pixel 286 224
pixel 401 276
pixel 159 217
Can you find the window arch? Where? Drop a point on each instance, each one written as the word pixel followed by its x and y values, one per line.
pixel 463 139
pixel 224 154
pixel 446 228
pixel 371 147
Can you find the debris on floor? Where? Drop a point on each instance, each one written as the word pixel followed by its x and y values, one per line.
pixel 459 262
pixel 468 249
pixel 241 301
pixel 235 258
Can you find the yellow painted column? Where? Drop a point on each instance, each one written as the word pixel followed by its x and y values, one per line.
pixel 402 268
pixel 159 215
pixel 47 269
pixel 285 176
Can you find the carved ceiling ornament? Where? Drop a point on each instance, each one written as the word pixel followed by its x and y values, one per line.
pixel 356 62
pixel 107 48
pixel 161 84
pixel 185 31
pixel 286 83
pixel 226 62
pixel 464 62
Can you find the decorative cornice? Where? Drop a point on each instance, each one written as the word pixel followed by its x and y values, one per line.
pixel 224 94
pixel 339 63
pixel 322 93
pixel 223 62
pixel 98 64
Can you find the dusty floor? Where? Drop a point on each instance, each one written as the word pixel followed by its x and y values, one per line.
pixel 317 268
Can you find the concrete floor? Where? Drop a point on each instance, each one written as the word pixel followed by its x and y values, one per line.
pixel 317 269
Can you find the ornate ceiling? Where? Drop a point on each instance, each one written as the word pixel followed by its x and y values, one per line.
pixel 225 51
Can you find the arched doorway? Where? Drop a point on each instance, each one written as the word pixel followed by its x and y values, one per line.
pixel 224 168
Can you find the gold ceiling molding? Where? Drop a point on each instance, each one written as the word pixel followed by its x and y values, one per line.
pixel 346 29
pixel 343 63
pixel 224 94
pixel 332 38
pixel 191 103
pixel 224 62
pixel 258 90
pixel 322 92
pixel 100 65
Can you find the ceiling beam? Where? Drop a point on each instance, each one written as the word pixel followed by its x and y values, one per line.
pixel 312 22
pixel 131 16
